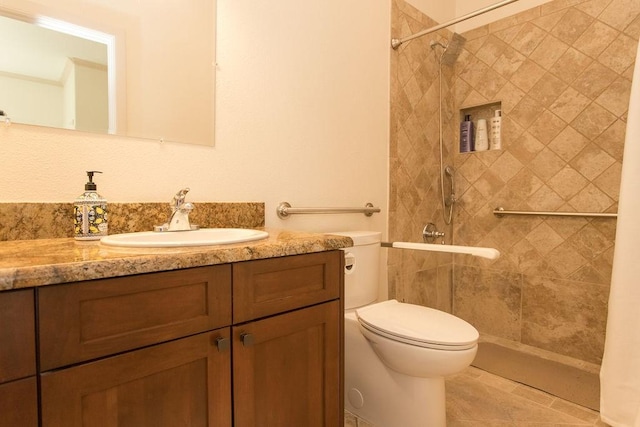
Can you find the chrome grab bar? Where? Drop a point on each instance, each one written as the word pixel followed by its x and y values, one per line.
pixel 284 210
pixel 489 253
pixel 500 211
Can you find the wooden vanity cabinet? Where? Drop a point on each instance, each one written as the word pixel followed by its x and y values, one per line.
pixel 287 367
pixel 154 350
pixel 255 343
pixel 18 384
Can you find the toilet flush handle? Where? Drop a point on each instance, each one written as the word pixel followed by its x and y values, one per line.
pixel 349 262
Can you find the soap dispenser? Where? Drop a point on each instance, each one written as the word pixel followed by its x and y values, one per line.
pixel 90 212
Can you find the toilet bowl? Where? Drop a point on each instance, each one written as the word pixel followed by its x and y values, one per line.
pixel 406 336
pixel 396 354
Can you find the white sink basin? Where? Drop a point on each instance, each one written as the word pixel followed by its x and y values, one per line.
pixel 172 239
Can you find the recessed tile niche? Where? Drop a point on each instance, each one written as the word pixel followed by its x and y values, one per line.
pixel 479 111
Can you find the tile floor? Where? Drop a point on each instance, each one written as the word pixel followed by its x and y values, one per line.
pixel 476 398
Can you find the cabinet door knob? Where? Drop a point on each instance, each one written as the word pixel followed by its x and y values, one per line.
pixel 223 344
pixel 247 339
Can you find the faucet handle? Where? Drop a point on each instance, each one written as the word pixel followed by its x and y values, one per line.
pixel 178 199
pixel 430 232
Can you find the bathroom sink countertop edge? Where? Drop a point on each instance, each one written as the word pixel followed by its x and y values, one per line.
pixel 31 263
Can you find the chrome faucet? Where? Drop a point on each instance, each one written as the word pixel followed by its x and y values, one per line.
pixel 180 210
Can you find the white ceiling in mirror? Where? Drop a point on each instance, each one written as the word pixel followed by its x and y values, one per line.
pixel 42 53
pixel 156 80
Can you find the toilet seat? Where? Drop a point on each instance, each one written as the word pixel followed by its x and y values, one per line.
pixel 418 325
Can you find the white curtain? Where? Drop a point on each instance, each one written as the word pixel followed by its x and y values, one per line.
pixel 620 373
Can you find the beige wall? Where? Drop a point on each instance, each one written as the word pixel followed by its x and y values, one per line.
pixel 443 11
pixel 464 7
pixel 562 72
pixel 439 11
pixel 302 116
pixel 170 96
pixel 19 90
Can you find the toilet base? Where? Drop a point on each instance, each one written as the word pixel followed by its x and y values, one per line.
pixel 383 397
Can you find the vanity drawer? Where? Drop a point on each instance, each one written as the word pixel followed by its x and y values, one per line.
pixel 265 287
pixel 88 320
pixel 17 335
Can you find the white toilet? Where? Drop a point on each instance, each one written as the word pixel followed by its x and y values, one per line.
pixel 396 354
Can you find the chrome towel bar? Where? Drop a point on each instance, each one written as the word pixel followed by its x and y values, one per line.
pixel 500 211
pixel 284 210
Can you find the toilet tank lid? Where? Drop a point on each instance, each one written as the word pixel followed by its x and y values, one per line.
pixel 361 237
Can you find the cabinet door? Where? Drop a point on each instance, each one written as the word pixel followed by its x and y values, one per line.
pixel 17 335
pixel 186 382
pixel 19 403
pixel 286 369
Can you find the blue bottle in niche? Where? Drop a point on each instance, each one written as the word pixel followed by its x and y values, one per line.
pixel 467 136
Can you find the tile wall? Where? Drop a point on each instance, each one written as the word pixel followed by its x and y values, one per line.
pixel 418 277
pixel 562 72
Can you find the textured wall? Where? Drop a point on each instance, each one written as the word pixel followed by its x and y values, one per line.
pixel 562 72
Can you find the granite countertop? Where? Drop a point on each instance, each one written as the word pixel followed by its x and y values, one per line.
pixel 30 263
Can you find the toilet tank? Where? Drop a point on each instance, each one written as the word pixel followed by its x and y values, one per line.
pixel 362 268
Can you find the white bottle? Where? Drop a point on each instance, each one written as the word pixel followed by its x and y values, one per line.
pixel 495 124
pixel 482 140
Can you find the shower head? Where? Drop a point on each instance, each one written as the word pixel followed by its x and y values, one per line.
pixel 451 50
pixel 454 47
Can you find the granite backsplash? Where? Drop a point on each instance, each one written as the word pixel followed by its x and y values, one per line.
pixel 27 221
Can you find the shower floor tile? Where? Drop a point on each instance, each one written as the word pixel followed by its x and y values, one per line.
pixel 476 398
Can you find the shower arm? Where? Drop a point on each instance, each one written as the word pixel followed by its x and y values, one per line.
pixel 395 43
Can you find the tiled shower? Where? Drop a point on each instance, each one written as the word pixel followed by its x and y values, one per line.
pixel 562 75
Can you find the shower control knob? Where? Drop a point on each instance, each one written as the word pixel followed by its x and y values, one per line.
pixel 430 232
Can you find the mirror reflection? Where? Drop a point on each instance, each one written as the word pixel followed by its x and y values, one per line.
pixel 143 69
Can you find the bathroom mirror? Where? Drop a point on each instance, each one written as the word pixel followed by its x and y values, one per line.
pixel 142 69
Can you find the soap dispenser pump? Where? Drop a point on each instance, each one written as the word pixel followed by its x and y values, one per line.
pixel 90 212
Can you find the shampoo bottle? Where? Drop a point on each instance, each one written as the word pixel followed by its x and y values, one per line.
pixel 495 124
pixel 482 140
pixel 90 212
pixel 466 135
